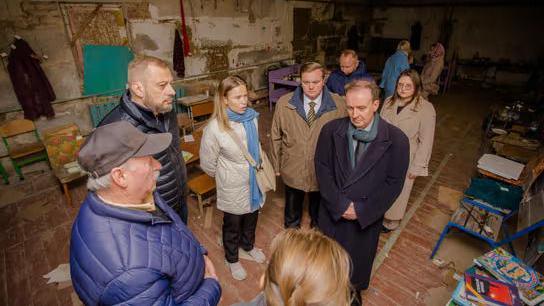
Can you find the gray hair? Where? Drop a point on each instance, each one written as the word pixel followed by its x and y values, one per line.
pixel 96 184
pixel 104 182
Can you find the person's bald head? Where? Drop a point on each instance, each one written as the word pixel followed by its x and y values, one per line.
pixel 150 83
pixel 348 61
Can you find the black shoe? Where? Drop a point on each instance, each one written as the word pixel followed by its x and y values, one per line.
pixel 385 230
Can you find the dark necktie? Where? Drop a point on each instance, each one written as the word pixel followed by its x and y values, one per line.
pixel 358 151
pixel 311 113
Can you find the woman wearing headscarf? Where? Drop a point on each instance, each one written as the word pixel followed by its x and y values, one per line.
pixel 394 65
pixel 432 70
pixel 233 124
pixel 416 117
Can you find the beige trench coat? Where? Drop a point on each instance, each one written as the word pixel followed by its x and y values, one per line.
pixel 294 142
pixel 418 123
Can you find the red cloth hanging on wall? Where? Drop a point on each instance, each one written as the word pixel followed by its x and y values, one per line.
pixel 30 83
pixel 186 46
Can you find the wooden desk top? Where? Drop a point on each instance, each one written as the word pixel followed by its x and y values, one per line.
pixel 192 147
pixel 65 177
pixel 194 100
pixel 519 182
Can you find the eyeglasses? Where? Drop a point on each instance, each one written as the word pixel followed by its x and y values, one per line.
pixel 308 83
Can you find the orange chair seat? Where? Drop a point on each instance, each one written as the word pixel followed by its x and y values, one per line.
pixel 201 184
pixel 25 150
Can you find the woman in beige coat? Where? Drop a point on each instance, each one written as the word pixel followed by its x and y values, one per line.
pixel 416 117
pixel 238 195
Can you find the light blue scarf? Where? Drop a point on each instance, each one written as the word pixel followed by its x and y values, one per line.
pixel 253 148
pixel 366 137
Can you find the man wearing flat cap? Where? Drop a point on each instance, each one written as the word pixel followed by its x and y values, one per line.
pixel 127 245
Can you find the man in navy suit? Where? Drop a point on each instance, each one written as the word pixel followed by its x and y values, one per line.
pixel 361 162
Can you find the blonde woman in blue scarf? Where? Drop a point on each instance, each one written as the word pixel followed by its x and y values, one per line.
pixel 234 124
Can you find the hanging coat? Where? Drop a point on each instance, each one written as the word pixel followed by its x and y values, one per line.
pixel 178 57
pixel 30 83
pixel 373 185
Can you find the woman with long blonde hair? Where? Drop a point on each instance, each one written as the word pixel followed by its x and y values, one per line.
pixel 416 117
pixel 306 268
pixel 232 131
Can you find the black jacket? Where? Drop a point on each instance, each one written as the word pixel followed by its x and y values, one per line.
pixel 172 181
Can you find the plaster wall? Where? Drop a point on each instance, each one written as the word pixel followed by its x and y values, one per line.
pixel 41 25
pixel 498 32
pixel 244 36
pixel 223 36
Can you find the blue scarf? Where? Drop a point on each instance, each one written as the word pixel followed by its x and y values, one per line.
pixel 366 137
pixel 253 148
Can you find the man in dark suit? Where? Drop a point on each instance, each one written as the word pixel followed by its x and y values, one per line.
pixel 361 163
pixel 351 69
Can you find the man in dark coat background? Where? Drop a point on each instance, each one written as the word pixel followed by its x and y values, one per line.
pixel 361 163
pixel 147 105
pixel 351 69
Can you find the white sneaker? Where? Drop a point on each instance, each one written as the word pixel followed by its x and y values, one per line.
pixel 257 255
pixel 238 272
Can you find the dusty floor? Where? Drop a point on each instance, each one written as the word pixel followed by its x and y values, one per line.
pixel 35 223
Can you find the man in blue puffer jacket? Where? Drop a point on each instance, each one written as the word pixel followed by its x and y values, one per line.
pixel 351 69
pixel 128 246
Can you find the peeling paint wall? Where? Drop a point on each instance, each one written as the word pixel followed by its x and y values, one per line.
pixel 237 34
pixel 41 25
pixel 498 32
pixel 242 36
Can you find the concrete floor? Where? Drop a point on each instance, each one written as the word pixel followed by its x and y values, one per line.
pixel 35 223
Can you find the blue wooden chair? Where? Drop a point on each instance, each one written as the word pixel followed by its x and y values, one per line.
pixel 478 232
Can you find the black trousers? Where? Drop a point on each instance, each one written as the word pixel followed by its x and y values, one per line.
pixel 238 232
pixel 294 200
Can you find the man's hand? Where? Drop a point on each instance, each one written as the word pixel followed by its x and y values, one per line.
pixel 209 271
pixel 350 213
pixel 277 174
pixel 411 176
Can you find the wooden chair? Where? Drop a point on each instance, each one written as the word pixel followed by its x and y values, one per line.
pixel 22 154
pixel 62 144
pixel 201 185
pixel 202 109
pixel 184 122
